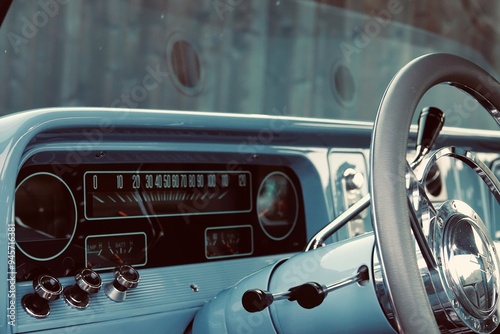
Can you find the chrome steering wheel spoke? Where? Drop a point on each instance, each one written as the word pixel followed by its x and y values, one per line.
pixel 422 214
pixel 470 160
pixel 456 247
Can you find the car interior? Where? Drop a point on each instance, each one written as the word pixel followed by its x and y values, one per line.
pixel 231 166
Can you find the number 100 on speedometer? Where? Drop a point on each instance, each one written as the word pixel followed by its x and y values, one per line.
pixel 127 194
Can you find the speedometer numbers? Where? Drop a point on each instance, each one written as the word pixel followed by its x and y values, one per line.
pixel 118 195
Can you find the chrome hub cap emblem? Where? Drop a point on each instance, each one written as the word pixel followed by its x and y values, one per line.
pixel 469 266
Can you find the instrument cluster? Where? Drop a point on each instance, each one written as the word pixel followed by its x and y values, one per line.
pixel 152 214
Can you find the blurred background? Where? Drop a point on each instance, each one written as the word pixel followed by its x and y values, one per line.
pixel 323 59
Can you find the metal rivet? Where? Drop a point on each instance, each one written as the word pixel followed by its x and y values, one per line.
pixel 476 324
pixel 100 154
pixel 455 303
pixel 494 318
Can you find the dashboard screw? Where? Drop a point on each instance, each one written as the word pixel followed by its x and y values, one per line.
pixel 100 154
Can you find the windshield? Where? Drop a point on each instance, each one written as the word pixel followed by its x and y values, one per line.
pixel 328 60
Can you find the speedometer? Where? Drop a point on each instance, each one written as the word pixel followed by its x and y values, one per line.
pixel 136 194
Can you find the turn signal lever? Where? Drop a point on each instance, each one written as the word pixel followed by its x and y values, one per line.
pixel 430 123
pixel 307 295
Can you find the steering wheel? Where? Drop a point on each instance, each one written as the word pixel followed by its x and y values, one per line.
pixel 439 232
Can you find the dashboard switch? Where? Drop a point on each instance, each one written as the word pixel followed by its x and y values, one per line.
pixel 353 183
pixel 354 180
pixel 126 277
pixel 87 282
pixel 47 288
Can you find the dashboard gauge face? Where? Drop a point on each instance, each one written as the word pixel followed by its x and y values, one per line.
pixel 136 194
pixel 277 206
pixel 151 214
pixel 45 216
pixel 232 241
pixel 108 251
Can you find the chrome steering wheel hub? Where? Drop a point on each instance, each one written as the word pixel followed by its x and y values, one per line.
pixel 467 264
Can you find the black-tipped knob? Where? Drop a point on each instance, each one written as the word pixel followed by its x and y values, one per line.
pixel 47 288
pixel 309 295
pixel 256 300
pixel 430 123
pixel 87 282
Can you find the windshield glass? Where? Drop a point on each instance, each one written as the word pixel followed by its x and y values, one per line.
pixel 330 59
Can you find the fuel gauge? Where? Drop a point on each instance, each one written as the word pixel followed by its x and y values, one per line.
pixel 108 251
pixel 232 241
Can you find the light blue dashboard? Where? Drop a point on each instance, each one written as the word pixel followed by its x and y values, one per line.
pixel 178 272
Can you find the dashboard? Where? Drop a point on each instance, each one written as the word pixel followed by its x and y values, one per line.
pixel 193 202
pixel 153 213
pixel 238 198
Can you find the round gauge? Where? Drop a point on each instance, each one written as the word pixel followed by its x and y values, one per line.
pixel 45 215
pixel 277 206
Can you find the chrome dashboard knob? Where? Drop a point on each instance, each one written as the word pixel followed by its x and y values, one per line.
pixel 126 277
pixel 87 282
pixel 354 179
pixel 47 288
